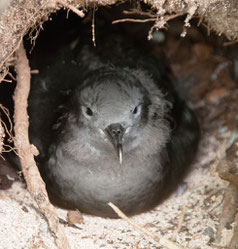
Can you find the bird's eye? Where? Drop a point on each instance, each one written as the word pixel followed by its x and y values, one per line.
pixel 89 112
pixel 135 110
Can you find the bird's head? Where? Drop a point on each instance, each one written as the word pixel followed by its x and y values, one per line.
pixel 113 110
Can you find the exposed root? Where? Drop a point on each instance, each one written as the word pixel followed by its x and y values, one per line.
pixel 35 184
pixel 93 28
pixel 139 12
pixel 71 7
pixel 3 74
pixel 161 22
pixel 163 241
pixel 180 222
pixel 5 130
pixel 191 12
pixel 234 240
pixel 228 171
pixel 134 20
pixel 2 135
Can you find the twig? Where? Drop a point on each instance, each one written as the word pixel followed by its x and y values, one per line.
pixel 180 222
pixel 163 241
pixel 71 7
pixel 221 153
pixel 161 21
pixel 10 74
pixel 134 20
pixel 228 171
pixel 7 114
pixel 93 27
pixel 36 71
pixel 229 210
pixel 2 135
pixel 3 74
pixel 229 43
pixel 234 240
pixel 138 12
pixel 8 81
pixel 6 131
pixel 9 56
pixel 35 184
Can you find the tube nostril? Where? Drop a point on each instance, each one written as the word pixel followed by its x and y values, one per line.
pixel 115 130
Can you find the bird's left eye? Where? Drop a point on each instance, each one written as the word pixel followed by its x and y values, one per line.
pixel 89 111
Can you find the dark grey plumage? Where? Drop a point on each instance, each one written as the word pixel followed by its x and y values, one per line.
pixel 88 112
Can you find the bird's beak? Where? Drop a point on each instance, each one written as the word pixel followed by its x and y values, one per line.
pixel 119 152
pixel 115 133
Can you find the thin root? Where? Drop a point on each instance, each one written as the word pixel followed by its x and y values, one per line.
pixel 163 241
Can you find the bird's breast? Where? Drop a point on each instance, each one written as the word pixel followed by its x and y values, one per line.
pixel 102 179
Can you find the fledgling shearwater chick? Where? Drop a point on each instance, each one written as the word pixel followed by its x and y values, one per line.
pixel 110 127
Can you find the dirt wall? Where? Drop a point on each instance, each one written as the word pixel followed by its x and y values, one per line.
pixel 17 17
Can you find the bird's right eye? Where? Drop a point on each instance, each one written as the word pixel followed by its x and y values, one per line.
pixel 89 112
pixel 135 110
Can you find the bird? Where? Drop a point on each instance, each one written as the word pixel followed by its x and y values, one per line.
pixel 110 126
